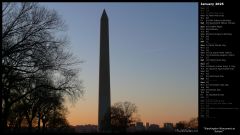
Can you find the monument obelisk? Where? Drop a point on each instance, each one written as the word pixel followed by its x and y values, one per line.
pixel 104 121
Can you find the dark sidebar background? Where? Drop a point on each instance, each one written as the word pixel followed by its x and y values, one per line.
pixel 218 67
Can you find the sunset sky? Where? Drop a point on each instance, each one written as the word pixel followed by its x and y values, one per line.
pixel 153 57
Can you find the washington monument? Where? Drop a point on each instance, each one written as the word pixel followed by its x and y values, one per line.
pixel 104 121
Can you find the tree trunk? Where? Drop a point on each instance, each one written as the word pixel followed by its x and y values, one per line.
pixel 6 110
pixel 39 120
pixel 43 128
pixel 29 121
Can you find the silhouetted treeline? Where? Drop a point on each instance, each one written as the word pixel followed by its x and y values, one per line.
pixel 37 71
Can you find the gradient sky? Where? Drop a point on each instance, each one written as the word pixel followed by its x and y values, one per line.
pixel 153 57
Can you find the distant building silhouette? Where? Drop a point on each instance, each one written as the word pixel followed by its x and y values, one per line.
pixel 140 127
pixel 104 122
pixel 147 125
pixel 168 125
pixel 154 128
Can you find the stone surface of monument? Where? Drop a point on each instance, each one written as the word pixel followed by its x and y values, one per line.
pixel 104 122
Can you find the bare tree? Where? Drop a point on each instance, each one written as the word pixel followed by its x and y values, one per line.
pixel 122 115
pixel 33 50
pixel 56 118
pixel 181 125
pixel 193 123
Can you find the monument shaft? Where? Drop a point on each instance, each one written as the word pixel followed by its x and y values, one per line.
pixel 104 121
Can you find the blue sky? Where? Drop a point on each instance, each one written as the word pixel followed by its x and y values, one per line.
pixel 153 57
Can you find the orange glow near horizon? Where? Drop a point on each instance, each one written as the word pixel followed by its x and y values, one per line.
pixel 84 118
pixel 83 113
